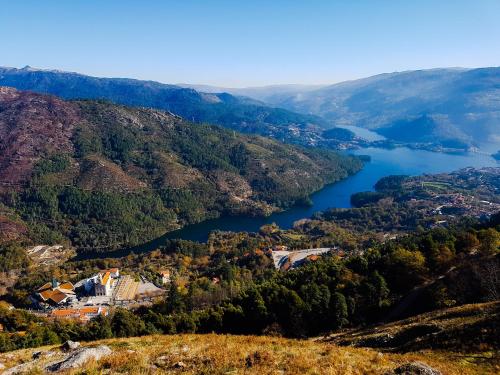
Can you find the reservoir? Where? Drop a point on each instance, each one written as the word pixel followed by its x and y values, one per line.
pixel 384 162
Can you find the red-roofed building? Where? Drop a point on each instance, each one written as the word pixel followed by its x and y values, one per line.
pixel 83 314
pixel 55 293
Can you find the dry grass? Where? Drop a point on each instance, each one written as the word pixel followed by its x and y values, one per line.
pixel 224 354
pixel 468 328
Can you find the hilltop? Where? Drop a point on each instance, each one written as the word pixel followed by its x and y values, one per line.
pixel 225 354
pixel 103 175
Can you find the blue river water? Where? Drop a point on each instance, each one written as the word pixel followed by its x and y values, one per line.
pixel 384 162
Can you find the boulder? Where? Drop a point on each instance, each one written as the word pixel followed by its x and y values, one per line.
pixel 36 355
pixel 79 357
pixel 180 364
pixel 70 345
pixel 414 368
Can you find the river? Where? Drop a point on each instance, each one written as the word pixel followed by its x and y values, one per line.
pixel 383 162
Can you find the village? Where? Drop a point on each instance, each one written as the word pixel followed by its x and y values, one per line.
pixel 109 288
pixel 95 295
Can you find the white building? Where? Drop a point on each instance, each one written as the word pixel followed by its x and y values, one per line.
pixel 102 283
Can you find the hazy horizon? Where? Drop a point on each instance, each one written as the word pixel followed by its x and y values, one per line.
pixel 193 84
pixel 239 45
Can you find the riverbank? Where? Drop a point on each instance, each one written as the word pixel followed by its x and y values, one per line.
pixel 399 161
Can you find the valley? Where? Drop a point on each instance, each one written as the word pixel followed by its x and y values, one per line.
pixel 262 187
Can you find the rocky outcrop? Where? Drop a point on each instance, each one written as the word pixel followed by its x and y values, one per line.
pixel 414 368
pixel 70 345
pixel 79 357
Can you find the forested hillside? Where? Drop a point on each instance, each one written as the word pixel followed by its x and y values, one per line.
pixel 101 175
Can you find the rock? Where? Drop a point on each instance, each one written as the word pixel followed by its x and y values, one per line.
pixel 2 366
pixel 162 360
pixel 79 357
pixel 414 368
pixel 36 355
pixel 180 365
pixel 20 369
pixel 70 345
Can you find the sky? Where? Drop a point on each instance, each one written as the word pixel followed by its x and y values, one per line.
pixel 237 43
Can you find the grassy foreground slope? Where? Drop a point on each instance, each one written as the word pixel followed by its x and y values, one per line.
pixel 223 354
pixel 472 327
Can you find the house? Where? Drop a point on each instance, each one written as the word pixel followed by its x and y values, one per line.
pixel 165 276
pixel 83 314
pixel 56 293
pixel 114 273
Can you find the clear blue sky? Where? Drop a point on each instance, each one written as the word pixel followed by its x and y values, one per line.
pixel 252 42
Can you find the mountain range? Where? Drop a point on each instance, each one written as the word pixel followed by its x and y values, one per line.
pixel 235 112
pixel 454 107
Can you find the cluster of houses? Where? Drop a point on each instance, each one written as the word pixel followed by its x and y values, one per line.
pixel 92 296
pixel 55 293
pixel 83 314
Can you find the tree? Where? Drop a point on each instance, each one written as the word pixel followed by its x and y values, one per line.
pixel 466 242
pixel 317 303
pixel 339 310
pixel 175 301
pixel 254 309
pixel 490 241
pixel 124 324
pixel 405 268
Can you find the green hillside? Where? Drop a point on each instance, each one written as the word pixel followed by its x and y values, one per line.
pixel 103 175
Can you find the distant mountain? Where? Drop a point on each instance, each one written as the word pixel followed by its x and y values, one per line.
pixel 448 106
pixel 103 175
pixel 235 112
pixel 271 95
